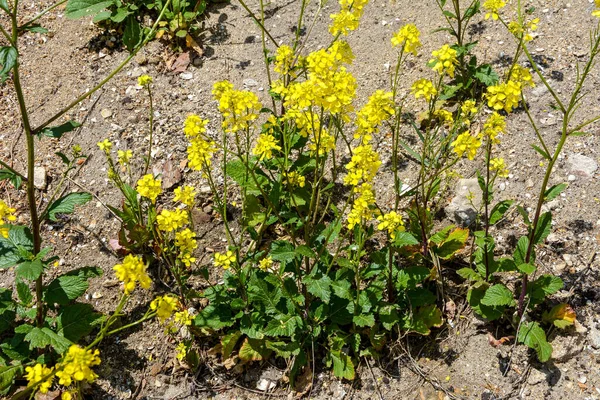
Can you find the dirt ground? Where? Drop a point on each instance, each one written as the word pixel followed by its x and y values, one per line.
pixel 456 361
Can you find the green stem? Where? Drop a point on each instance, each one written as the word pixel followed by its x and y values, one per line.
pixel 6 166
pixel 262 27
pixel 151 131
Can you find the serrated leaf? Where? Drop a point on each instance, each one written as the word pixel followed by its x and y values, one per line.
pixel 66 204
pixel 554 191
pixel 259 291
pixel 441 235
pixel 13 177
pixel 77 320
pixel 474 297
pixel 30 270
pixel 284 325
pixel 499 210
pixel 561 315
pixel 389 317
pixel 544 286
pixel 24 292
pixel 469 274
pixel 425 318
pixel 81 8
pixel 544 228
pixel 228 343
pixel 284 350
pixel 8 59
pixel 132 34
pixel 533 336
pixel 17 247
pixel 405 239
pixel 319 287
pixel 363 320
pixel 526 268
pixel 410 277
pixel 56 132
pixel 305 251
pixel 283 251
pixel 521 250
pixel 70 286
pixel 7 309
pixel 8 375
pixel 39 338
pixel 343 367
pixel 486 75
pixel 253 350
pixel 454 242
pixel 498 295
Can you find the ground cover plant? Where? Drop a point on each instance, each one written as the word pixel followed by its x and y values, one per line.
pixel 316 270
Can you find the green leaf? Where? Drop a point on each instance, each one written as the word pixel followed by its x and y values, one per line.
pixel 4 5
pixel 7 309
pixel 102 16
pixel 533 336
pixel 284 350
pixel 30 270
pixel 441 235
pixel 363 320
pixel 389 317
pixel 24 292
pixel 39 338
pixel 283 325
pixel 76 321
pixel 57 131
pixel 120 15
pixel 132 35
pixel 342 365
pixel 561 315
pixel 320 287
pixel 253 350
pixel 12 176
pixel 453 243
pixel 405 239
pixel 282 251
pixel 526 268
pixel 8 59
pixel 543 229
pixel 554 191
pixel 8 375
pixel 81 8
pixel 35 28
pixel 236 170
pixel 486 75
pixel 228 343
pixel 542 152
pixel 521 250
pixel 469 274
pixel 305 251
pixel 498 295
pixel 425 318
pixel 410 277
pixel 499 210
pixel 70 286
pixel 474 297
pixel 66 204
pixel 17 247
pixel 214 317
pixel 259 291
pixel 544 286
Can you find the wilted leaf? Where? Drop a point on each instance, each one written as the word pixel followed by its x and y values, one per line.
pixel 561 315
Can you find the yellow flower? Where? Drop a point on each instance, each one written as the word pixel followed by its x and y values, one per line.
pixel 185 194
pixel 468 108
pixel 265 263
pixel 423 88
pixel 343 22
pixel 284 59
pixel 66 395
pixel 265 145
pixel 185 241
pixel 105 145
pixel 522 76
pixel 164 307
pixel 363 166
pixel 149 187
pixel 379 108
pixel 444 116
pixel 6 215
pixel 466 143
pixel 408 38
pixel 200 152
pixel 494 125
pixel 194 126
pixel 498 165
pixel 238 107
pixel 183 318
pixel 493 6
pixel 362 206
pixel 444 60
pixel 322 141
pixel 76 365
pixel 169 221
pixel 144 80
pixel 224 260
pixel 124 156
pixel 181 351
pixel 35 376
pixel 294 179
pixel 392 222
pixel 504 96
pixel 131 271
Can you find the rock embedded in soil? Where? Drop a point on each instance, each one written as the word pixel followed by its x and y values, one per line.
pixel 462 208
pixel 106 113
pixel 582 165
pixel 39 178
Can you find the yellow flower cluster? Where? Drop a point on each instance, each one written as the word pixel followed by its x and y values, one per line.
pixel 348 18
pixel 468 109
pixel 284 60
pixel 38 375
pixel 407 37
pixel 322 142
pixel 169 221
pixel 444 60
pixel 200 152
pixel 149 187
pixel 294 179
pixel 519 30
pixel 466 143
pixel 492 7
pixel 522 76
pixel 392 222
pixel 131 271
pixel 363 166
pixel 379 108
pixel 238 107
pixel 362 206
pixel 265 263
pixel 444 116
pixel 124 156
pixel 504 96
pixel 181 351
pixel 6 215
pixel 494 125
pixel 164 307
pixel 596 13
pixel 498 165
pixel 183 318
pixel 265 145
pixel 194 126
pixel 105 146
pixel 76 365
pixel 144 80
pixel 186 195
pixel 224 260
pixel 185 241
pixel 423 88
